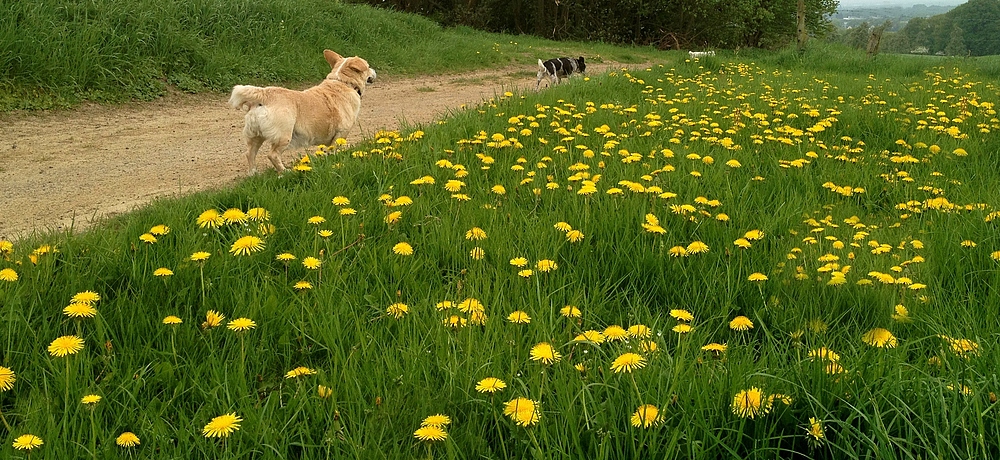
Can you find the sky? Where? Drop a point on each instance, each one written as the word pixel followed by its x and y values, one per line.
pixel 904 3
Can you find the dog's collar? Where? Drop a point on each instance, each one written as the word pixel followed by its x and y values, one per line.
pixel 356 88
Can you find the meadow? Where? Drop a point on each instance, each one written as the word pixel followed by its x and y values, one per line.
pixel 724 258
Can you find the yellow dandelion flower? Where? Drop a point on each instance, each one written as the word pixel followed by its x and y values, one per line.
pixel 299 372
pixel 475 234
pixel 163 272
pixel 200 256
pixel 393 217
pixel 519 317
pixel 234 216
pixel 172 320
pixel 246 245
pixel 397 310
pixel 127 439
pixel 682 328
pixel 519 262
pixel 65 345
pixel 147 238
pixel 498 189
pixel 341 200
pixel 347 211
pixel 222 426
pixel 80 310
pixel 880 338
pixel 477 253
pixel 90 400
pixel 546 265
pixel 646 416
pixel 678 251
pixel 259 214
pixel 563 226
pixel 312 263
pixel 570 311
pixel 430 433
pixel 591 336
pixel 7 378
pixel 8 274
pixel 241 324
pixel 454 186
pixel 574 236
pixel 526 273
pixel 824 353
pixel 523 411
pixel 640 331
pixel 27 442
pixel 545 353
pixel 750 403
pixel 757 276
pixel 815 429
pixel 403 249
pixel 302 285
pixel 741 323
pixel 628 362
pixel 697 247
pixel 324 391
pixel 212 319
pixel 716 348
pixel 490 385
pixel 681 315
pixel 438 420
pixel 471 304
pixel 159 230
pixel 615 332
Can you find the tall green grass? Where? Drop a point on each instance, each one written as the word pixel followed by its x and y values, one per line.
pixel 655 127
pixel 54 53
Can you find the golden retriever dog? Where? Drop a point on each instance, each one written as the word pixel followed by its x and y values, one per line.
pixel 285 118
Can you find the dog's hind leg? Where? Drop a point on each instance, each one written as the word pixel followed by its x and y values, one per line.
pixel 275 155
pixel 253 146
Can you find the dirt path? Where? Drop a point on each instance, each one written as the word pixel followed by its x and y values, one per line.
pixel 68 169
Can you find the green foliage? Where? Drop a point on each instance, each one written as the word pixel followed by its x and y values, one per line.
pixel 971 28
pixel 854 175
pixel 56 53
pixel 667 24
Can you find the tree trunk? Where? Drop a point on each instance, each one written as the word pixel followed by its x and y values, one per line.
pixel 801 35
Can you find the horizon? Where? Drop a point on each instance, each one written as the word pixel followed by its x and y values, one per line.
pixel 896 3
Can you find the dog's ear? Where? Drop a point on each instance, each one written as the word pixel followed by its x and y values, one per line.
pixel 331 58
pixel 358 65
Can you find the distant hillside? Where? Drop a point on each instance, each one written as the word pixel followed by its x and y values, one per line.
pixel 899 16
pixel 970 29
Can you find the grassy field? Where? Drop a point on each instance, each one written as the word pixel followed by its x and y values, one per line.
pixel 718 259
pixel 754 256
pixel 56 53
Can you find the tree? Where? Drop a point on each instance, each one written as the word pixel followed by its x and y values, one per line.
pixel 956 46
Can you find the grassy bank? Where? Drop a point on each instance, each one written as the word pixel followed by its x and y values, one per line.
pixel 57 53
pixel 714 259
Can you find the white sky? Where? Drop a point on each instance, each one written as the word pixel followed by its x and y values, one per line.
pixel 904 3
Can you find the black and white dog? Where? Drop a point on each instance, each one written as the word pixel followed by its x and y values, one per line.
pixel 557 68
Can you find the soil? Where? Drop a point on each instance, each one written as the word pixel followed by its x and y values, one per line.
pixel 66 170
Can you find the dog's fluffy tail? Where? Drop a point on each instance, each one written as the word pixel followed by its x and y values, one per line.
pixel 246 97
